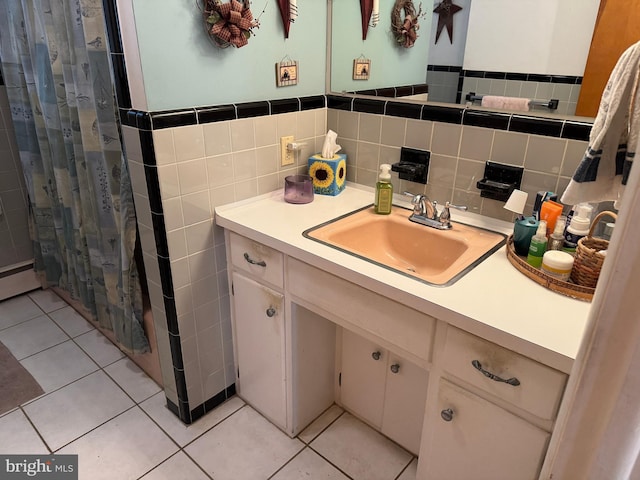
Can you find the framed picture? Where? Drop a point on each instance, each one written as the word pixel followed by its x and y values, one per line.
pixel 361 69
pixel 287 73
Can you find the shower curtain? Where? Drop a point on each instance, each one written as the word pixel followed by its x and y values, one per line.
pixel 56 69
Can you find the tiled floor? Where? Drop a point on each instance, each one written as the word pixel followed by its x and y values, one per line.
pixel 100 405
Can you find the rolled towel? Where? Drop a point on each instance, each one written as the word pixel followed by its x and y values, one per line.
pixel 507 103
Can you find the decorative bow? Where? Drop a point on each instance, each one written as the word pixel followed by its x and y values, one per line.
pixel 408 32
pixel 235 23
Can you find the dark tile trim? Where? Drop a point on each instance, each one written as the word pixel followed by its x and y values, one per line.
pixel 120 79
pixel 536 125
pixel 531 77
pixel 368 105
pixel 576 130
pixel 213 402
pixel 285 105
pixel 404 91
pixel 313 102
pixel 463 116
pixel 420 88
pixel 444 68
pixel 477 118
pixel 173 408
pixel 339 102
pixel 173 118
pixel 253 109
pixel 164 266
pixel 1 77
pixel 406 110
pixel 437 113
pixel 112 26
pixel 218 113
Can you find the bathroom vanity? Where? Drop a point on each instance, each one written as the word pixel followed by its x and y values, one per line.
pixel 469 377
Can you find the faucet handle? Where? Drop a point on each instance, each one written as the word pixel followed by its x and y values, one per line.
pixel 445 216
pixel 417 200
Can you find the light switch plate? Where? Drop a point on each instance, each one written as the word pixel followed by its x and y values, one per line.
pixel 287 157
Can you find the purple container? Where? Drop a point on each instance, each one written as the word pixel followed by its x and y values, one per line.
pixel 298 189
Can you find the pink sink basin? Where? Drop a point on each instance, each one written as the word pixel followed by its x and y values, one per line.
pixel 438 257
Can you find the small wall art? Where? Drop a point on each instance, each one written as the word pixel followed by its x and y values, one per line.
pixel 361 68
pixel 287 73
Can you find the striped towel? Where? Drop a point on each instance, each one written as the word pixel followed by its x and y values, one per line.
pixel 604 169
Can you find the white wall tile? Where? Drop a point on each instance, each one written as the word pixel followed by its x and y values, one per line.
pixel 180 272
pixel 169 181
pixel 242 134
pixel 172 208
pixel 199 237
pixel 164 147
pixel 177 244
pixel 217 138
pixel 202 265
pixel 196 208
pixel 265 131
pixel 219 170
pixel 193 176
pixel 189 142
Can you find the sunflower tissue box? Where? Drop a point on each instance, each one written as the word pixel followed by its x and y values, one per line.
pixel 329 174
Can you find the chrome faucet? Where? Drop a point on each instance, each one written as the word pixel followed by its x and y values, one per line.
pixel 425 212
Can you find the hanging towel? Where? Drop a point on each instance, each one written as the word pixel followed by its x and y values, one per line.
pixel 604 169
pixel 508 103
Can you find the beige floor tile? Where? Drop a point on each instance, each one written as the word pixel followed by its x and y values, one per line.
pixel 243 447
pixel 360 451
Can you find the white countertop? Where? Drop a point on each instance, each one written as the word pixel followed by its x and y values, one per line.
pixel 494 300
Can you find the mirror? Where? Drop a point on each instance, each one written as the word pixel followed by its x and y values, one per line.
pixel 542 44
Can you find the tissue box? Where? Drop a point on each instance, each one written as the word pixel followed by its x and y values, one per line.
pixel 329 174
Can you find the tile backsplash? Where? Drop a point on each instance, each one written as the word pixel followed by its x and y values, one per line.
pixel 458 156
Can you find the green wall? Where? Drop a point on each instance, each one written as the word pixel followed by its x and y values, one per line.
pixel 183 68
pixel 390 64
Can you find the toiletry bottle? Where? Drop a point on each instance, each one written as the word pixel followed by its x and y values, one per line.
pixel 556 239
pixel 538 245
pixel 384 191
pixel 549 212
pixel 578 228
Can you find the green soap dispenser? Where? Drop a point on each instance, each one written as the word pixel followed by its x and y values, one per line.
pixel 384 191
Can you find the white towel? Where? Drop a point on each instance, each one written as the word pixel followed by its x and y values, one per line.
pixel 603 172
pixel 507 103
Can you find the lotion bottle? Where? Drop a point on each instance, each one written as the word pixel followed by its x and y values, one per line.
pixel 384 191
pixel 538 245
pixel 578 227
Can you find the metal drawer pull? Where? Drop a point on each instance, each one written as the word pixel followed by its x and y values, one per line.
pixel 395 368
pixel 271 312
pixel 447 414
pixel 261 263
pixel 511 381
pixel 376 355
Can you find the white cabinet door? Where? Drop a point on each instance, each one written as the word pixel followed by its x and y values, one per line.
pixel 404 403
pixel 473 438
pixel 259 337
pixel 384 389
pixel 363 377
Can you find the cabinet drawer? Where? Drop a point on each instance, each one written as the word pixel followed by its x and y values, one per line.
pixel 540 388
pixel 263 262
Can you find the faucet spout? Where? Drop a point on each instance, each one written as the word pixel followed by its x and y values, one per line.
pixel 425 212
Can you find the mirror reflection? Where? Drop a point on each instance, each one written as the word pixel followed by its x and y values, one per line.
pixel 530 49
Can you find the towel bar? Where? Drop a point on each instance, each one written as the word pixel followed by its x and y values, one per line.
pixel 551 104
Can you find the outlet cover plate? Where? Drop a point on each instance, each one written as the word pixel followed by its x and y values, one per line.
pixel 287 157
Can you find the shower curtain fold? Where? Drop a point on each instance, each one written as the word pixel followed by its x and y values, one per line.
pixel 58 81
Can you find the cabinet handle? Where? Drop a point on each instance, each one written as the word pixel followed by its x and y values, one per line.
pixel 395 368
pixel 376 355
pixel 250 260
pixel 271 312
pixel 447 414
pixel 511 381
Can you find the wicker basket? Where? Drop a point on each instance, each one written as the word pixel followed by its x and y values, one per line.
pixel 552 283
pixel 588 260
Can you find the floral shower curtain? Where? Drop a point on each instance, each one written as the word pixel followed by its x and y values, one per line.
pixel 56 70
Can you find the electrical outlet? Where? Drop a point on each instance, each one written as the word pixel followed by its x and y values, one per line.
pixel 287 157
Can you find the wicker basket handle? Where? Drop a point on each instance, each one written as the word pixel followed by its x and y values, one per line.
pixel 597 219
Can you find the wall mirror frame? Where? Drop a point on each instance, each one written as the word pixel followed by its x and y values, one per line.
pixel 333 4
